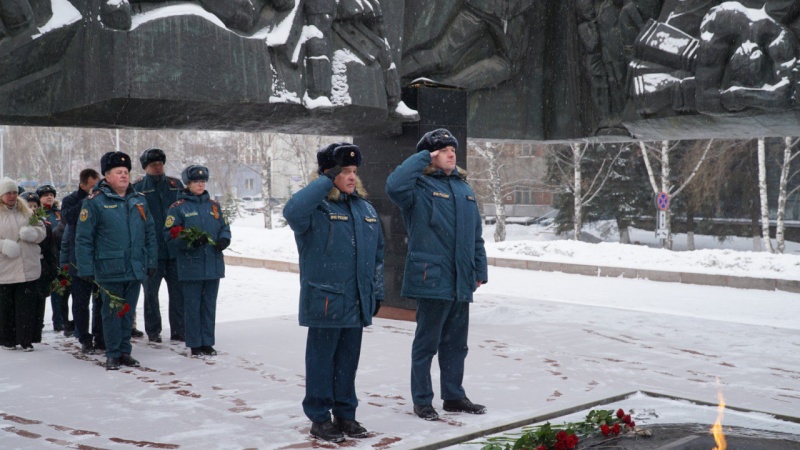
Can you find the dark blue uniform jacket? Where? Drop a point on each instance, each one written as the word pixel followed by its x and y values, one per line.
pixel 340 242
pixel 204 262
pixel 115 237
pixel 161 192
pixel 446 255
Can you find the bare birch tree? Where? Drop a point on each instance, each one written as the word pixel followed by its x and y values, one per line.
pixel 766 242
pixel 666 177
pixel 789 155
pixel 490 152
pixel 574 183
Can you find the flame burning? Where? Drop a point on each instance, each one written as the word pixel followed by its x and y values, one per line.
pixel 716 430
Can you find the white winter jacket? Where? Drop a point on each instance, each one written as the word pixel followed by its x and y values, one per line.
pixel 26 266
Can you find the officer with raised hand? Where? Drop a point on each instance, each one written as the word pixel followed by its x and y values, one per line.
pixel 115 245
pixel 340 242
pixel 446 263
pixel 161 191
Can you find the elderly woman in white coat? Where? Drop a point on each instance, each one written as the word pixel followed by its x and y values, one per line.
pixel 20 267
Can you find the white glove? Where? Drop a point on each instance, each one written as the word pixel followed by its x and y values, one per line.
pixel 28 234
pixel 9 248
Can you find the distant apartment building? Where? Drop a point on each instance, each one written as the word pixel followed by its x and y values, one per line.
pixel 522 170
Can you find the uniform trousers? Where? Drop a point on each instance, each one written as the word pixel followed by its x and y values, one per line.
pixel 60 306
pixel 81 295
pixel 332 356
pixel 116 329
pixel 442 327
pixel 200 311
pixel 167 270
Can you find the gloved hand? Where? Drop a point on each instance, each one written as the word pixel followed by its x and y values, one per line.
pixel 201 241
pixel 151 272
pixel 222 243
pixel 28 233
pixel 9 248
pixel 88 279
pixel 333 172
pixel 377 308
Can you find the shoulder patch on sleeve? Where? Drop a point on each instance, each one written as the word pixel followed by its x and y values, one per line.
pixel 170 221
pixel 84 214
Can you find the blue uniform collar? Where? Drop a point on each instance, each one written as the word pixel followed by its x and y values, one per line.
pixel 103 186
pixel 186 195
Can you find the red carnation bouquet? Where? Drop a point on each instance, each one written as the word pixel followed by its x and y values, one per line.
pixel 190 235
pixel 62 282
pixel 565 437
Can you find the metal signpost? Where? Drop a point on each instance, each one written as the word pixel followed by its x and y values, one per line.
pixel 662 203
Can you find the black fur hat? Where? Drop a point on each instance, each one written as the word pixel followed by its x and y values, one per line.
pixel 437 140
pixel 114 159
pixel 31 197
pixel 194 173
pixel 45 189
pixel 152 155
pixel 341 153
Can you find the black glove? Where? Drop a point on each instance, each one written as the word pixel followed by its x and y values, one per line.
pixel 151 272
pixel 88 279
pixel 222 243
pixel 377 308
pixel 201 241
pixel 333 172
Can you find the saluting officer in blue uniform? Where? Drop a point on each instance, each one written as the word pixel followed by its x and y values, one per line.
pixel 340 243
pixel 161 192
pixel 446 263
pixel 115 245
pixel 200 263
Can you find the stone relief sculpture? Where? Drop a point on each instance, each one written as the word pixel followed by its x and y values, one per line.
pixel 694 56
pixel 443 59
pixel 240 15
pixel 297 40
pixel 17 16
pixel 360 24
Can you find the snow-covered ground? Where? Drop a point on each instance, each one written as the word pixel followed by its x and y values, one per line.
pixel 539 343
pixel 734 256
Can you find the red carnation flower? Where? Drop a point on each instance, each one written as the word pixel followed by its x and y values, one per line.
pixel 560 445
pixel 605 429
pixel 620 413
pixel 572 441
pixel 66 267
pixel 626 419
pixel 632 424
pixel 541 447
pixel 615 429
pixel 63 282
pixel 125 308
pixel 561 435
pixel 175 231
